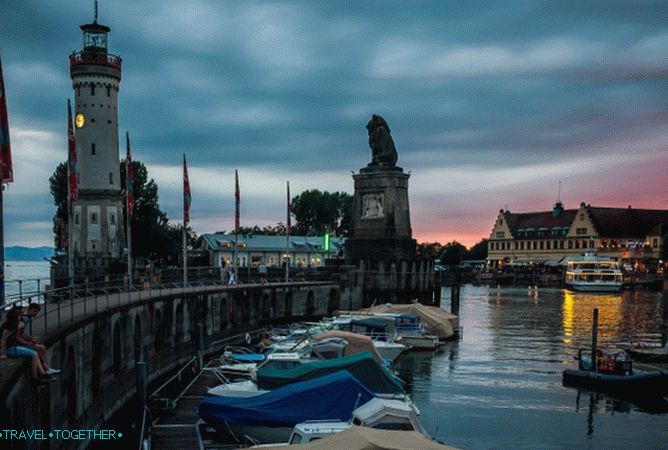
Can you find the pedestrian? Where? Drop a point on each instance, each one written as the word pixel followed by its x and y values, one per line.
pixel 233 276
pixel 262 270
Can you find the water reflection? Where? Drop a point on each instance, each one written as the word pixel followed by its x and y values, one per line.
pixel 506 371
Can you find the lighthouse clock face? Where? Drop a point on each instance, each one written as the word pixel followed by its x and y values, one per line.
pixel 79 120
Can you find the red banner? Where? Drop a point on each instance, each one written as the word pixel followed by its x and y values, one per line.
pixel 186 192
pixel 6 170
pixel 72 184
pixel 129 177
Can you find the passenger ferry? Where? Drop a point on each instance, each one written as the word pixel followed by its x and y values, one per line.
pixel 593 274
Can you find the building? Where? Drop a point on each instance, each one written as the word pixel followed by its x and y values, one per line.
pixel 271 250
pixel 98 231
pixel 633 236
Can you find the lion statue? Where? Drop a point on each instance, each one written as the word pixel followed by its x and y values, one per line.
pixel 383 152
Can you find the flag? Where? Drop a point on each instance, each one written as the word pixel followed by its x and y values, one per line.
pixel 186 192
pixel 6 171
pixel 129 177
pixel 236 201
pixel 289 225
pixel 71 157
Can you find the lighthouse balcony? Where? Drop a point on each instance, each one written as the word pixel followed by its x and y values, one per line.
pixel 98 59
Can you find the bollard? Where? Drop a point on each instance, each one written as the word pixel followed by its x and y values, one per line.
pixel 664 329
pixel 594 336
pixel 140 367
pixel 454 299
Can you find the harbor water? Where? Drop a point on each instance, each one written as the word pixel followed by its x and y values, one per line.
pixel 500 386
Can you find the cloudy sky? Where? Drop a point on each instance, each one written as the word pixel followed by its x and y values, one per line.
pixel 490 103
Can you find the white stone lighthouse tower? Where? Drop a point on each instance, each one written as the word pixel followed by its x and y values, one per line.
pixel 98 239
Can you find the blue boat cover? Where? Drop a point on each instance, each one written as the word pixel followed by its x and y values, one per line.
pixel 332 396
pixel 362 366
pixel 248 357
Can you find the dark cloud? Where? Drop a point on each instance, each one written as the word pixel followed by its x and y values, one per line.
pixel 284 89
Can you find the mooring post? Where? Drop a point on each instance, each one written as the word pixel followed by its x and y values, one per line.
pixel 140 367
pixel 664 328
pixel 200 343
pixel 594 336
pixel 454 294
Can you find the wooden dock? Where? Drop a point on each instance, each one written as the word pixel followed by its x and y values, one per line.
pixel 178 430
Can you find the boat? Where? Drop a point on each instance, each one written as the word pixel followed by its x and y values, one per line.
pixel 363 366
pixel 592 273
pixel 366 438
pixel 409 331
pixel 376 330
pixel 435 319
pixel 649 355
pixel 239 362
pixel 356 343
pixel 614 375
pixel 270 417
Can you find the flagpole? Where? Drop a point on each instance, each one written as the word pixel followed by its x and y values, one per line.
pixel 236 223
pixel 71 195
pixel 128 214
pixel 186 212
pixel 287 238
pixel 6 176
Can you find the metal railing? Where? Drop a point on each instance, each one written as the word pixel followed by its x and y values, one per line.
pixel 65 305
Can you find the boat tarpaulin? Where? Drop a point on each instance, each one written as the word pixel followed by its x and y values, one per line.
pixel 364 438
pixel 435 319
pixel 333 396
pixel 361 365
pixel 357 343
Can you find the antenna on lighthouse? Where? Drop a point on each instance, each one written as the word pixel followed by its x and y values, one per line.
pixel 559 194
pixel 95 11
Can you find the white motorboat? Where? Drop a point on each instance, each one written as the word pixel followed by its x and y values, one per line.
pixel 592 273
pixel 244 388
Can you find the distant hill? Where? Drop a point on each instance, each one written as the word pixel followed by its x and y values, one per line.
pixel 19 253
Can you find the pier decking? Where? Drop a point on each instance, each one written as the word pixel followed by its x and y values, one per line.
pixel 178 430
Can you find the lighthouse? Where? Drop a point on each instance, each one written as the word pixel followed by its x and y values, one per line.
pixel 97 214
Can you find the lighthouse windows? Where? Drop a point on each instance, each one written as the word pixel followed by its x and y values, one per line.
pixel 111 178
pixel 108 91
pixel 92 89
pixel 92 149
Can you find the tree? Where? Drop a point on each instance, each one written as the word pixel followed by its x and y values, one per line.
pixel 148 220
pixel 58 188
pixel 322 212
pixel 478 251
pixel 452 254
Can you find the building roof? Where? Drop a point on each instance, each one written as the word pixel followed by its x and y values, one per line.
pixel 536 220
pixel 223 242
pixel 609 222
pixel 626 222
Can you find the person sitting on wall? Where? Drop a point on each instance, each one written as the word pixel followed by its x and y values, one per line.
pixel 32 342
pixel 9 345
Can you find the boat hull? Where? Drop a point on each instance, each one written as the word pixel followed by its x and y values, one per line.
pixel 656 355
pixel 640 385
pixel 421 342
pixel 595 287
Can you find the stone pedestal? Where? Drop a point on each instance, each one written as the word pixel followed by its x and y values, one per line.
pixel 381 228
